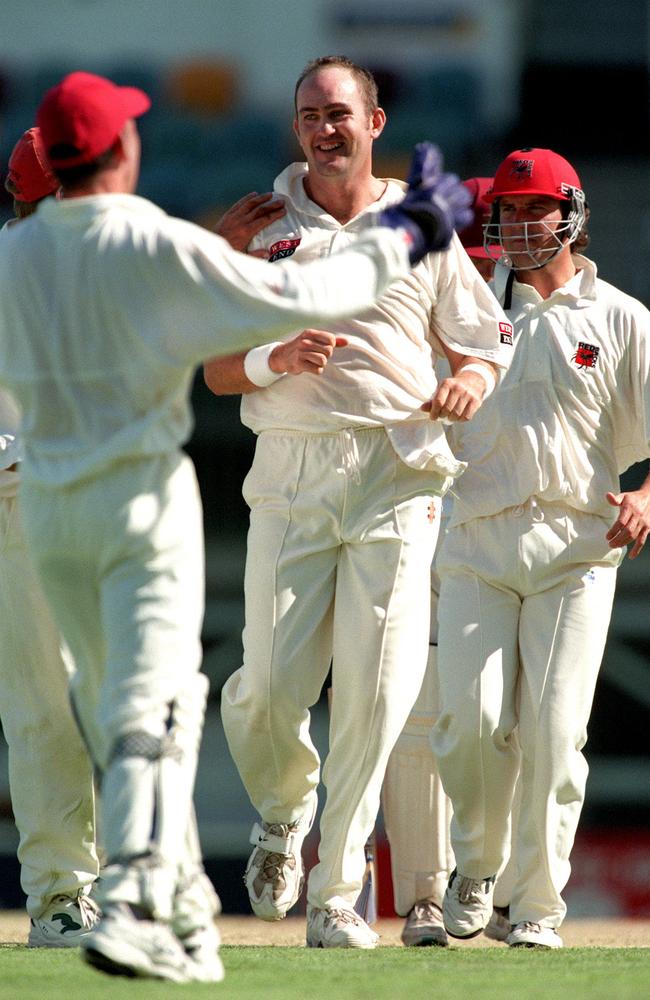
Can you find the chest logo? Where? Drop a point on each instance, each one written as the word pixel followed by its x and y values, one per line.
pixel 505 333
pixel 586 356
pixel 283 248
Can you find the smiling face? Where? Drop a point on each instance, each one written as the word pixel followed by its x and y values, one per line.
pixel 333 124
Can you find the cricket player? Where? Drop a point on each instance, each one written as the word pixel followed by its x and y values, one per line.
pixel 417 813
pixel 528 565
pixel 50 777
pixel 348 470
pixel 107 306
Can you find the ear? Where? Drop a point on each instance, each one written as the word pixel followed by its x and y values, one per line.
pixel 296 131
pixel 118 149
pixel 377 122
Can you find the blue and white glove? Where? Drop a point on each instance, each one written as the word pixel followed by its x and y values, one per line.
pixel 434 205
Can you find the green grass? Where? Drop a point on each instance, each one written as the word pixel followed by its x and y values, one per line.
pixel 277 973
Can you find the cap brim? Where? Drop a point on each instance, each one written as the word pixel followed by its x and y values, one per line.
pixel 136 102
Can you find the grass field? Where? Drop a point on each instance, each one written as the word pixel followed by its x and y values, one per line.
pixel 288 971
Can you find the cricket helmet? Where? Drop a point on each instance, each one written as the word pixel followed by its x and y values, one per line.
pixel 533 171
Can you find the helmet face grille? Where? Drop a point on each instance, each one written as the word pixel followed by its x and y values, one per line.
pixel 540 242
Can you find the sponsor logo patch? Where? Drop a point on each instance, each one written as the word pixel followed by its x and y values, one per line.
pixel 283 248
pixel 522 169
pixel 586 356
pixel 505 332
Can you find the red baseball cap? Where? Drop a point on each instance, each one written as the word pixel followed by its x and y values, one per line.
pixel 29 171
pixel 87 113
pixel 534 171
pixel 472 236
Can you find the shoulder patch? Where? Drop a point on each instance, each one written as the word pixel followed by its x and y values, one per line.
pixel 505 333
pixel 283 248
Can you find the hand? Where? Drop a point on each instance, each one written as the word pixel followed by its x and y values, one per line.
pixel 456 398
pixel 632 523
pixel 308 352
pixel 434 205
pixel 247 217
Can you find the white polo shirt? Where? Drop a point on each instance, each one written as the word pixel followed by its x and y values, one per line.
pixel 386 372
pixel 107 304
pixel 573 409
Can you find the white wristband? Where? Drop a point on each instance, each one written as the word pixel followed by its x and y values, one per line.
pixel 486 372
pixel 257 368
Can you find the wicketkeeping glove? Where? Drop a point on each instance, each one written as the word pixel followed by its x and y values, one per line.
pixel 434 205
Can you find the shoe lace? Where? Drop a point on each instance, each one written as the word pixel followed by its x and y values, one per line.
pixel 88 909
pixel 343 916
pixel 426 909
pixel 530 925
pixel 469 889
pixel 273 864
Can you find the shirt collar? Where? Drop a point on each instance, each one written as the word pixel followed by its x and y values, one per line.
pixel 75 210
pixel 581 286
pixel 290 184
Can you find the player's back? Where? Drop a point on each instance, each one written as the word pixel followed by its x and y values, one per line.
pixel 88 332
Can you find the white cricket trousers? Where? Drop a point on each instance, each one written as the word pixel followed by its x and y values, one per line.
pixel 525 605
pixel 50 777
pixel 121 560
pixel 339 550
pixel 417 813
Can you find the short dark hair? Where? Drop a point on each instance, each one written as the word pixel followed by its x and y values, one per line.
pixel 72 177
pixel 365 79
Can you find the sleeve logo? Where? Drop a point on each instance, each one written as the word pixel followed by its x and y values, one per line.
pixel 586 356
pixel 283 248
pixel 505 333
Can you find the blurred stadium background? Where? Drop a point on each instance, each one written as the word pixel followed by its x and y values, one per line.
pixel 480 77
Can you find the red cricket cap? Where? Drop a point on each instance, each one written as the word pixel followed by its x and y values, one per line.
pixel 86 112
pixel 534 171
pixel 472 236
pixel 29 171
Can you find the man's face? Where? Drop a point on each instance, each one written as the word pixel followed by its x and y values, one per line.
pixel 334 127
pixel 528 223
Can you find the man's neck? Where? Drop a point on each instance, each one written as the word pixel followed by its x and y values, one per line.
pixel 341 198
pixel 555 274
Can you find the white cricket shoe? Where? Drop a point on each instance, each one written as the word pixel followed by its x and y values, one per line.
pixel 275 875
pixel 498 926
pixel 124 945
pixel 338 926
pixel 65 922
pixel 528 934
pixel 424 926
pixel 195 906
pixel 467 904
pixel 202 948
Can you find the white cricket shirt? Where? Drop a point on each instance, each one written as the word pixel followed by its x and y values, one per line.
pixel 107 304
pixel 386 372
pixel 573 409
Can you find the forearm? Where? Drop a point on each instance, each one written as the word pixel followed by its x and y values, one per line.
pixel 226 376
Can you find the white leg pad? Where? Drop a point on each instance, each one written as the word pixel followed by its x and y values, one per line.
pixel 417 813
pixel 149 784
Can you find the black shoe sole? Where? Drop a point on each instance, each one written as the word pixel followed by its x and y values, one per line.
pixel 107 965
